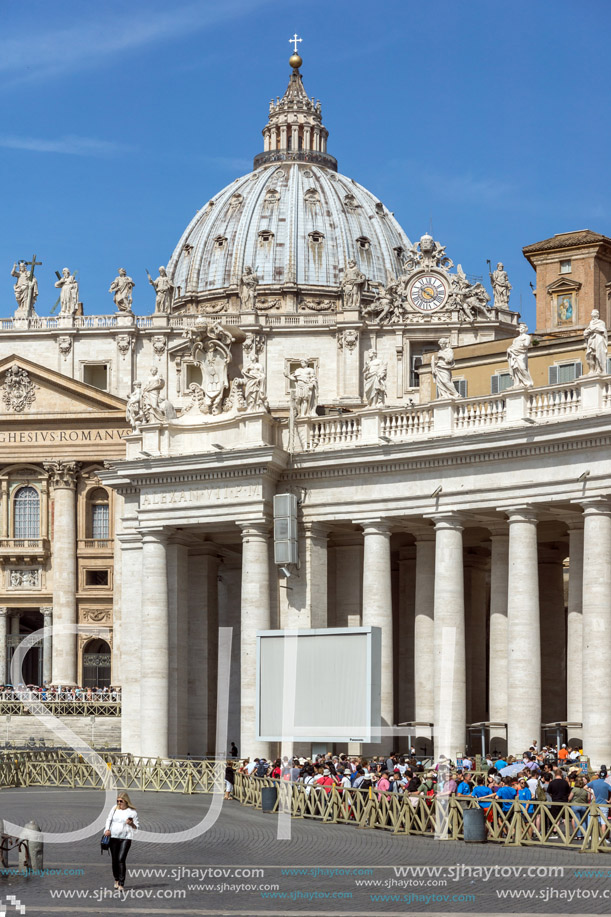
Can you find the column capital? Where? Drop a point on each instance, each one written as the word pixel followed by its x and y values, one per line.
pixel 445 521
pixel 62 474
pixel 46 610
pixel 522 514
pixel 316 530
pixel 375 526
pixel 256 529
pixel 498 529
pixel 596 506
pixel 155 536
pixel 3 611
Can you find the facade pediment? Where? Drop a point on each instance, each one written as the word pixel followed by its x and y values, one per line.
pixel 28 389
pixel 564 285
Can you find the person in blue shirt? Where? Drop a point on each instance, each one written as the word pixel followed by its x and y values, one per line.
pixel 602 795
pixel 500 764
pixel 524 795
pixel 507 794
pixel 464 787
pixel 482 793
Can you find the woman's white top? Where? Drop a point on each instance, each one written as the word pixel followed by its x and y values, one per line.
pixel 116 823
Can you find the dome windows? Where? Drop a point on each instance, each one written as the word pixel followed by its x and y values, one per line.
pixel 220 242
pixel 350 202
pixel 272 196
pixel 312 196
pixel 363 243
pixel 266 237
pixel 235 201
pixel 316 237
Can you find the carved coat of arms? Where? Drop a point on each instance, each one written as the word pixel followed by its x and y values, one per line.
pixel 18 391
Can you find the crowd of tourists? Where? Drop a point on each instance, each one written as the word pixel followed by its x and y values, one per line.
pixel 549 776
pixel 60 692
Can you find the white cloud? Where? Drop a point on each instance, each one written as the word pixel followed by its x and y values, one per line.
pixel 72 145
pixel 46 54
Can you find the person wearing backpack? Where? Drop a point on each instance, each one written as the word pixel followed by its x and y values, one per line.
pixel 261 769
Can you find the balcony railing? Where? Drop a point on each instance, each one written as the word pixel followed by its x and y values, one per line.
pixel 24 547
pixel 95 544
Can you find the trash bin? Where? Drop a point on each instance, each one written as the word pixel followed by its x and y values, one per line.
pixel 269 794
pixel 474 821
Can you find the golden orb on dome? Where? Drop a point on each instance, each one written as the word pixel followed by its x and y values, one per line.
pixel 295 61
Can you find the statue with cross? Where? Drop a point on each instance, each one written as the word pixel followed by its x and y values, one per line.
pixel 26 287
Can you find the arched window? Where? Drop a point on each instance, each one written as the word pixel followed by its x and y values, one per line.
pixel 26 513
pixel 100 515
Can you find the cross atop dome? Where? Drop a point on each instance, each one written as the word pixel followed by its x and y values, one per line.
pixel 295 132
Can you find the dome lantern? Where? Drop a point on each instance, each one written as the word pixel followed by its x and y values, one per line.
pixel 295 132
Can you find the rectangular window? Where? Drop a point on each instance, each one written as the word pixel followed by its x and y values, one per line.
pixel 99 520
pixel 96 374
pixel 499 382
pixel 461 387
pixel 194 374
pixel 564 372
pixel 96 577
pixel 565 266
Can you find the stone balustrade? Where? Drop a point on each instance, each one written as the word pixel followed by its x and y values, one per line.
pixel 583 397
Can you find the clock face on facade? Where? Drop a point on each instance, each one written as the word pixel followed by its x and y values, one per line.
pixel 427 292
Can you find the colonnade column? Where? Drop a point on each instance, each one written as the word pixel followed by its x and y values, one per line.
pixel 524 632
pixel 499 566
pixel 3 653
pixel 404 670
pixel 63 480
pixel 178 645
pixel 377 604
pixel 574 634
pixel 154 703
pixel 553 632
pixel 424 630
pixel 202 652
pixel 47 645
pixel 316 538
pixel 476 649
pixel 255 615
pixel 596 613
pixel 449 642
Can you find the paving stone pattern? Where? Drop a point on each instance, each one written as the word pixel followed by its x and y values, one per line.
pixel 244 838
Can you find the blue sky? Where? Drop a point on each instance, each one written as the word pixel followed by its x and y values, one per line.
pixel 120 120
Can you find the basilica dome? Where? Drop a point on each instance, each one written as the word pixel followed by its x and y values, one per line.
pixel 294 219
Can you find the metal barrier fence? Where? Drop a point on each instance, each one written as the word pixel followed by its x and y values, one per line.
pixel 61 707
pixel 530 823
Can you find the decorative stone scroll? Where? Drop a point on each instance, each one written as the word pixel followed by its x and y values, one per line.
pixel 18 391
pixel 317 305
pixel 65 345
pixel 125 344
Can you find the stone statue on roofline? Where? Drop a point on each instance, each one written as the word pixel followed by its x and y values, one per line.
pixel 68 297
pixel 517 358
pixel 375 373
pixel 352 286
pixel 596 337
pixel 442 364
pixel 164 291
pixel 121 288
pixel 501 287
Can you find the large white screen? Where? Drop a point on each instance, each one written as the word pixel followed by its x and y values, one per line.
pixel 333 675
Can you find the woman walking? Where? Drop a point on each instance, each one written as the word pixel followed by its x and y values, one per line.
pixel 120 826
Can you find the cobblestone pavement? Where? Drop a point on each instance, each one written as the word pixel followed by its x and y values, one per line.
pixel 321 870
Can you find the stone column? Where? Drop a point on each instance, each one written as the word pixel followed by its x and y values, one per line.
pixel 203 648
pixel 348 583
pixel 316 537
pixel 154 704
pixel 524 632
pixel 476 613
pixel 63 480
pixel 15 622
pixel 499 566
pixel 377 603
pixel 4 524
pixel 424 629
pixel 553 632
pixel 178 644
pixel 574 634
pixel 131 634
pixel 449 645
pixel 47 645
pixel 404 670
pixel 596 616
pixel 3 652
pixel 255 615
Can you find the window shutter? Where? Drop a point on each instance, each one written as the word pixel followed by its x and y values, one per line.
pixel 494 385
pixel 461 387
pixel 553 375
pixel 578 369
